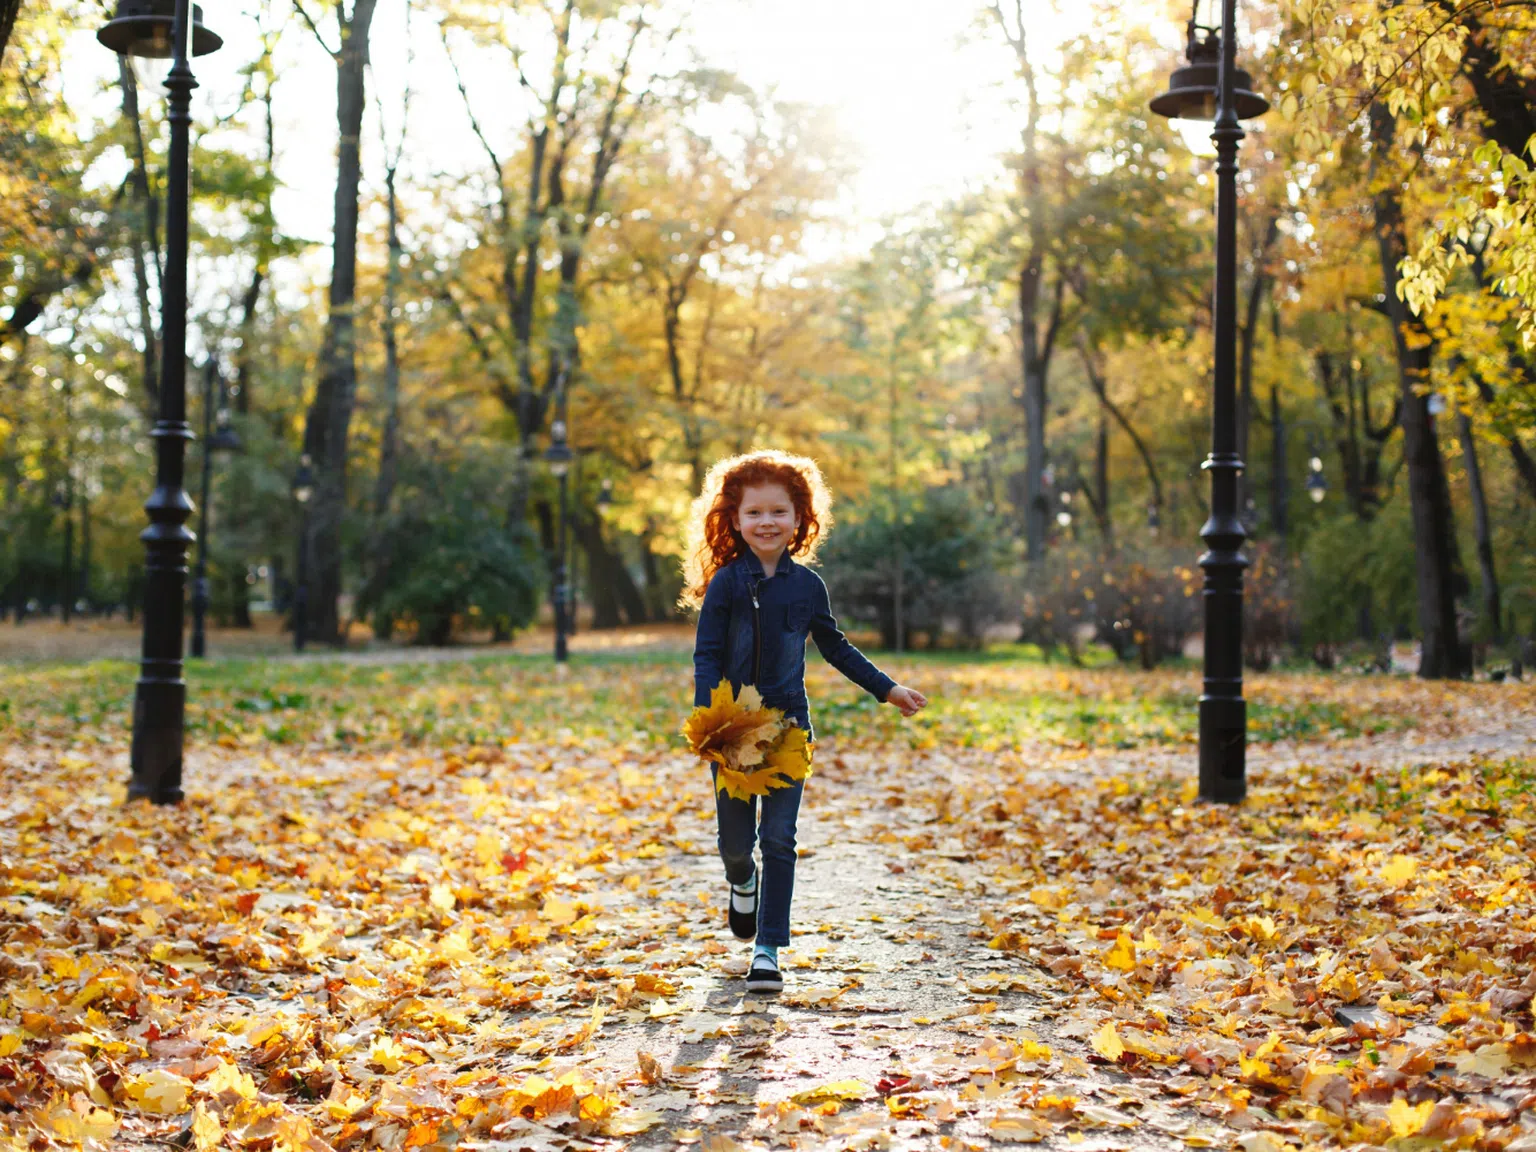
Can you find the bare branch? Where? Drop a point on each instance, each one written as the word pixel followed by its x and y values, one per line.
pixel 334 53
pixel 474 121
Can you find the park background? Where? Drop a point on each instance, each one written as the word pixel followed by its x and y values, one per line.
pixel 952 257
pixel 427 889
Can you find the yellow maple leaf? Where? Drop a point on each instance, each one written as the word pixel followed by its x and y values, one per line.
pixel 786 760
pixel 1399 870
pixel 1490 1060
pixel 207 1132
pixel 732 730
pixel 227 1078
pixel 1407 1119
pixel 73 1126
pixel 386 1054
pixel 837 1090
pixel 1106 1042
pixel 1122 955
pixel 159 1091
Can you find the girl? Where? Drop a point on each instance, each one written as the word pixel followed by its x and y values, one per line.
pixel 756 515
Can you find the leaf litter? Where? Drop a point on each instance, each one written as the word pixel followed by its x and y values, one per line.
pixel 519 944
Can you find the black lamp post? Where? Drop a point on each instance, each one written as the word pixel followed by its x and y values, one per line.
pixel 303 489
pixel 1212 88
pixel 220 439
pixel 160 29
pixel 558 457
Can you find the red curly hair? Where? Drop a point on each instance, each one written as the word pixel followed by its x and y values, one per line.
pixel 713 541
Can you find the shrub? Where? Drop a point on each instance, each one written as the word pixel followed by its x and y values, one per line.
pixel 1357 579
pixel 1143 608
pixel 449 558
pixel 953 553
pixel 1270 622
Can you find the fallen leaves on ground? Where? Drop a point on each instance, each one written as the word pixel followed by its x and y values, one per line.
pixel 518 942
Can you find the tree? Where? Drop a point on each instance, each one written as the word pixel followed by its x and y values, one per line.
pixel 329 418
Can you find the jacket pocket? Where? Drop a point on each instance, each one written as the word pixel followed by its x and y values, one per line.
pixel 797 617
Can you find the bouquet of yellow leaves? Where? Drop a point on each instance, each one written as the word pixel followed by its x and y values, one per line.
pixel 754 747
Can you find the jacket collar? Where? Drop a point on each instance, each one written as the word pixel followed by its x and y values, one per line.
pixel 753 567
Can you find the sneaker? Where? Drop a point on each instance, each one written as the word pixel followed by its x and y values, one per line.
pixel 765 976
pixel 743 911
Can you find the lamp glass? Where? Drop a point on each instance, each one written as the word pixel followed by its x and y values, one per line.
pixel 149 73
pixel 1197 137
pixel 558 468
pixel 1317 492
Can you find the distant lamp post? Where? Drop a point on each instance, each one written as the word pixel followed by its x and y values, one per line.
pixel 558 456
pixel 220 439
pixel 1210 87
pixel 605 494
pixel 303 489
pixel 1154 519
pixel 1317 483
pixel 166 29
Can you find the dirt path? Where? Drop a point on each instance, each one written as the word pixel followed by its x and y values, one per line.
pixel 893 1001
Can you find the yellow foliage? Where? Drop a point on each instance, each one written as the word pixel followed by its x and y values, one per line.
pixel 753 748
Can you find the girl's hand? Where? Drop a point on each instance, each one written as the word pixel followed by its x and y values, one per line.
pixel 909 700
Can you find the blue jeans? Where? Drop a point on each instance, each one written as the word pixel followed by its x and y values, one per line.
pixel 739 829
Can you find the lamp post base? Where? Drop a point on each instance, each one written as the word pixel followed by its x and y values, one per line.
pixel 158 708
pixel 1223 749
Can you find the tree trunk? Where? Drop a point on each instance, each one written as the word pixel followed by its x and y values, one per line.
pixel 250 300
pixel 1247 338
pixel 1039 307
pixel 1279 483
pixel 9 9
pixel 85 549
pixel 149 214
pixel 384 489
pixel 1101 483
pixel 1100 386
pixel 1493 615
pixel 330 413
pixel 615 598
pixel 1436 557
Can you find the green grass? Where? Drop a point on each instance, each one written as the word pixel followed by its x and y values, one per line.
pixel 997 700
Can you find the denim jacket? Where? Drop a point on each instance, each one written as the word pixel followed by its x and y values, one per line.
pixel 752 630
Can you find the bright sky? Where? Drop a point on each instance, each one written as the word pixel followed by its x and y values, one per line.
pixel 923 99
pixel 928 102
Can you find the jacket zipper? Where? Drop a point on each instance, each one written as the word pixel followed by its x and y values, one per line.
pixel 757 636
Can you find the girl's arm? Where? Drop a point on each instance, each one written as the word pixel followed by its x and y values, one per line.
pixel 840 652
pixel 709 641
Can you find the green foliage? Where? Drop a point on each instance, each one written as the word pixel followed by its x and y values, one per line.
pixel 952 554
pixel 451 559
pixel 1358 578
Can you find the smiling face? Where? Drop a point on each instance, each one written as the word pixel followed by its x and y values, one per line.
pixel 767 520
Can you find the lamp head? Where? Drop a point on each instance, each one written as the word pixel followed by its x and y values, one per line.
pixel 1317 483
pixel 1190 101
pixel 303 481
pixel 144 28
pixel 224 438
pixel 558 455
pixel 605 496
